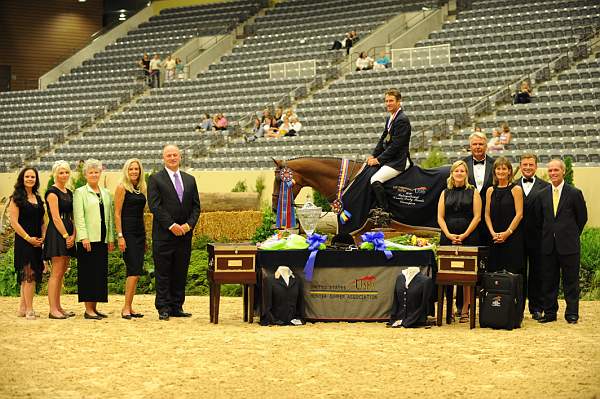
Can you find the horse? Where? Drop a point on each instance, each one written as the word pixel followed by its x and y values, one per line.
pixel 319 173
pixel 322 174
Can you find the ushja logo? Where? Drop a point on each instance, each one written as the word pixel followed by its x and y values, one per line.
pixel 364 283
pixel 417 190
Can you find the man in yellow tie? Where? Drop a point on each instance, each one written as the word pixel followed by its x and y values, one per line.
pixel 563 215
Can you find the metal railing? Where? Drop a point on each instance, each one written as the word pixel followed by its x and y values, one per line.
pixel 579 50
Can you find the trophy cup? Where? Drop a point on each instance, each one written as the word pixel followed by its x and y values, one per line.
pixel 308 216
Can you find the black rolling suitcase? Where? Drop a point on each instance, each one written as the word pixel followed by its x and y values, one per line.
pixel 501 300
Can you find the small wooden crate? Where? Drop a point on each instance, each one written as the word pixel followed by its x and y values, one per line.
pixel 458 263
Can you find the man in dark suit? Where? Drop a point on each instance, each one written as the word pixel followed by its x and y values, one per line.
pixel 563 214
pixel 532 186
pixel 173 200
pixel 391 154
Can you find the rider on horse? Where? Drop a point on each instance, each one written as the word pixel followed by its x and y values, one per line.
pixel 391 154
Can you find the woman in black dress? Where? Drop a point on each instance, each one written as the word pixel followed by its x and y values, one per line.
pixel 26 211
pixel 503 214
pixel 59 244
pixel 93 216
pixel 459 214
pixel 130 200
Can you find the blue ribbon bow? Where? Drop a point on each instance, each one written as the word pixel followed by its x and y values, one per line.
pixel 377 239
pixel 314 242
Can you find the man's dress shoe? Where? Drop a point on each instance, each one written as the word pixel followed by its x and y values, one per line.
pixel 547 319
pixel 180 313
pixel 537 315
pixel 163 316
pixel 571 320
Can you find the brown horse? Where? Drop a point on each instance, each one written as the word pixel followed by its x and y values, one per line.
pixel 319 173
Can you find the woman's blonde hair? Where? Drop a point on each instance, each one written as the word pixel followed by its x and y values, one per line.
pixel 455 165
pixel 126 181
pixel 58 165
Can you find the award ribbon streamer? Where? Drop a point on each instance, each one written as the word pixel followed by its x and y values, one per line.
pixel 377 239
pixel 314 242
pixel 286 216
pixel 338 205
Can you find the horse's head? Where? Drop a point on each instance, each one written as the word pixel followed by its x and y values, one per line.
pixel 282 166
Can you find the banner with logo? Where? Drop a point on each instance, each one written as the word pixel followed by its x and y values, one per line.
pixel 351 293
pixel 413 197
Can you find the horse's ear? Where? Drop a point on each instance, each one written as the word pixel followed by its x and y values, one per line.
pixel 277 162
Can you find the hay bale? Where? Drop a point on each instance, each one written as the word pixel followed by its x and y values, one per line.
pixel 213 202
pixel 230 226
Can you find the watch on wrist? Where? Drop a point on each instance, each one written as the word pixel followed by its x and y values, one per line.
pixel 65 236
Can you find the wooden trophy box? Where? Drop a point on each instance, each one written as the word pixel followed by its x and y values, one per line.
pixel 457 263
pixel 231 264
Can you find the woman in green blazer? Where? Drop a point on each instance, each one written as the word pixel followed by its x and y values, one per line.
pixel 94 221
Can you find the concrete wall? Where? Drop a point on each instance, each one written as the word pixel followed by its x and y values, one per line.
pixel 96 46
pixel 432 22
pixel 586 179
pixel 211 54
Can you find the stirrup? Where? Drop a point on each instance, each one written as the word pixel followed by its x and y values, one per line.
pixel 380 217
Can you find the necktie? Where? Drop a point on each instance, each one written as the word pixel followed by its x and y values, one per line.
pixel 555 199
pixel 476 162
pixel 528 180
pixel 178 186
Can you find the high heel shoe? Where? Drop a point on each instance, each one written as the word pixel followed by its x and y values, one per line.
pixel 464 318
pixel 51 316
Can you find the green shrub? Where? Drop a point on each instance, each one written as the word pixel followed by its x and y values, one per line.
pixel 320 200
pixel 434 159
pixel 259 185
pixel 240 187
pixel 569 178
pixel 8 277
pixel 590 264
pixel 266 229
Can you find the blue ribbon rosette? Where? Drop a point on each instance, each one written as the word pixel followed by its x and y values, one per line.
pixel 314 242
pixel 377 239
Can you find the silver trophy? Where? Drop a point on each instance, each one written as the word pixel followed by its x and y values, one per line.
pixel 308 216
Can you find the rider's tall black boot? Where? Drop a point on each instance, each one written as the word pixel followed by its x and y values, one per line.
pixel 380 197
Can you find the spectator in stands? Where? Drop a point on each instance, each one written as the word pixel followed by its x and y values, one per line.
pixel 26 210
pixel 382 62
pixel 265 126
pixel 364 62
pixel 524 94
pixel 170 65
pixel 145 65
pixel 220 122
pixel 205 125
pixel 347 42
pixel 278 116
pixel 155 65
pixel 279 130
pixel 295 126
pixel 179 69
pixel 501 138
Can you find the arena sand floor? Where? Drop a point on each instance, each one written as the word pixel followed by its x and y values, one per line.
pixel 190 358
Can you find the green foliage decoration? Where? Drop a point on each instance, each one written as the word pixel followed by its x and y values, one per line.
pixel 8 277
